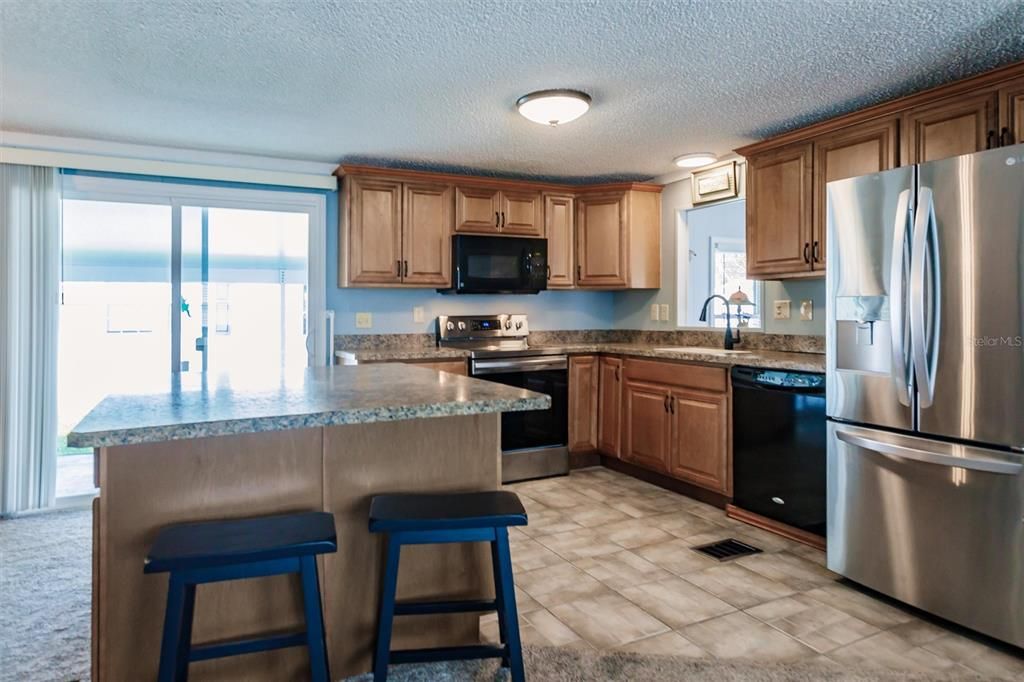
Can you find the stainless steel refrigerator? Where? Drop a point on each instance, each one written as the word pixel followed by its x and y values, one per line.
pixel 925 386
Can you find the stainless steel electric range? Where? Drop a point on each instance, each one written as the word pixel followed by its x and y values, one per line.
pixel 534 444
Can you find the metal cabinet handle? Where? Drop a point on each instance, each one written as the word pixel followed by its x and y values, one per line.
pixel 406 269
pixel 1005 137
pixel 497 219
pixel 503 219
pixel 816 252
pixel 398 266
pixel 990 139
pixel 807 252
pixel 618 374
pixel 664 403
pixel 579 272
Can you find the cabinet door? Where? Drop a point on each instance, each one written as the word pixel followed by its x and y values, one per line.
pixel 959 125
pixel 601 240
pixel 858 150
pixel 477 209
pixel 375 231
pixel 583 382
pixel 558 225
pixel 522 213
pixel 647 435
pixel 426 234
pixel 1011 112
pixel 609 409
pixel 779 198
pixel 700 439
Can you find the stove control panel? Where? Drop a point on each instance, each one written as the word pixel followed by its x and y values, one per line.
pixel 466 327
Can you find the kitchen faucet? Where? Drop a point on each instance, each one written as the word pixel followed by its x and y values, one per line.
pixel 729 338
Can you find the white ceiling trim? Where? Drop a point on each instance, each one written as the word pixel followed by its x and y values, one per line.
pixel 115 157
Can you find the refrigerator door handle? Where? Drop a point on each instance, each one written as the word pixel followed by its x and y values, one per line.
pixel 897 313
pixel 924 262
pixel 978 462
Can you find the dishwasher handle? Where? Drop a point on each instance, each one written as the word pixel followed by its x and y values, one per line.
pixel 803 383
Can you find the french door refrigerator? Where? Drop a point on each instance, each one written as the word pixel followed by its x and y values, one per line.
pixel 925 386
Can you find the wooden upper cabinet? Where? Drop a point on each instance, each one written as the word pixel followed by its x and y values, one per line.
pixel 477 209
pixel 522 213
pixel 609 407
pixel 601 240
pixel 950 127
pixel 779 217
pixel 700 438
pixel 647 436
pixel 583 383
pixel 858 150
pixel 426 234
pixel 559 221
pixel 374 231
pixel 1011 112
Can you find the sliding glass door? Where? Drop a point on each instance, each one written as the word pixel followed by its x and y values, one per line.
pixel 161 278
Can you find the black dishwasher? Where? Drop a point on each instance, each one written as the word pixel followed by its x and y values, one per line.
pixel 778 435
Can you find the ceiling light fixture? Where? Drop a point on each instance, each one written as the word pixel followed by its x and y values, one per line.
pixel 695 160
pixel 553 107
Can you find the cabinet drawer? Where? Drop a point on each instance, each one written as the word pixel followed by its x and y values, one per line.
pixel 678 374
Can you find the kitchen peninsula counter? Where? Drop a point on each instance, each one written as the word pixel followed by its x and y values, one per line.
pixel 208 447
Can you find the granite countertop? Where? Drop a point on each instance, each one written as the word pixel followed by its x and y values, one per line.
pixel 197 406
pixel 768 359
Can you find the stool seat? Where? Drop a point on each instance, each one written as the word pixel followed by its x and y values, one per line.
pixel 447 511
pixel 190 546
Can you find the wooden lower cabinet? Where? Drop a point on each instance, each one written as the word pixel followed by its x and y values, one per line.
pixel 609 406
pixel 700 438
pixel 678 424
pixel 647 433
pixel 583 383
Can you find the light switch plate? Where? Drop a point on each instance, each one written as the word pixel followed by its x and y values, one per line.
pixel 654 312
pixel 781 310
pixel 417 314
pixel 806 310
pixel 364 320
pixel 664 312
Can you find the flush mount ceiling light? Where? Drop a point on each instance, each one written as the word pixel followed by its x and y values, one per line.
pixel 695 160
pixel 553 107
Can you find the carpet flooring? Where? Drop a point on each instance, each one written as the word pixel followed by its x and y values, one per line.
pixel 45 577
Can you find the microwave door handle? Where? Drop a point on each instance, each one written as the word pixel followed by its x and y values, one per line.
pixel 979 462
pixel 921 259
pixel 897 295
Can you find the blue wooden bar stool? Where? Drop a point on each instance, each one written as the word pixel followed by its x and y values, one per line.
pixel 443 518
pixel 198 553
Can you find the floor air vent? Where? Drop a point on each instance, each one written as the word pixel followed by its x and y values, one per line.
pixel 723 550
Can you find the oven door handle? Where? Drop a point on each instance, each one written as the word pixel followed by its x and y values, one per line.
pixel 511 365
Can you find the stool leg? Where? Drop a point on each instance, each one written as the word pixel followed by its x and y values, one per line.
pixel 185 643
pixel 496 565
pixel 315 641
pixel 387 611
pixel 508 601
pixel 172 649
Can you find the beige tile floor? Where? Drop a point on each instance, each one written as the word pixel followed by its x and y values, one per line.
pixel 606 563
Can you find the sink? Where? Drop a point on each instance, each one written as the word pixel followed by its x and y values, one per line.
pixel 700 349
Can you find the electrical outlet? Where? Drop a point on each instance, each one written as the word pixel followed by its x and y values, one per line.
pixel 664 312
pixel 417 314
pixel 806 310
pixel 781 310
pixel 654 312
pixel 364 320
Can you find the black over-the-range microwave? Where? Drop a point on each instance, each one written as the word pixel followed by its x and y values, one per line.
pixel 498 265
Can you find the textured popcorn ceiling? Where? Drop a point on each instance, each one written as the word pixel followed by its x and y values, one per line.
pixel 432 83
